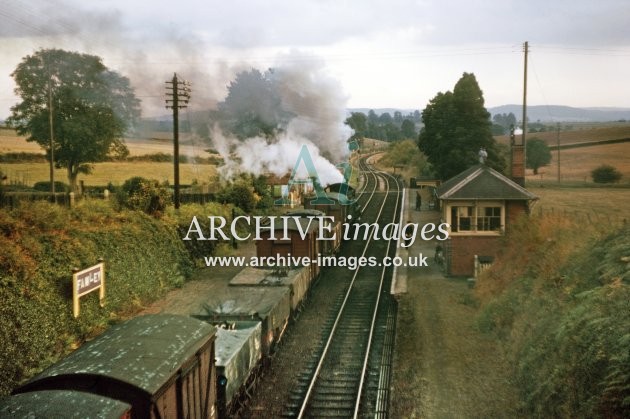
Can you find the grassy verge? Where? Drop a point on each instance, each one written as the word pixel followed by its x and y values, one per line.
pixel 558 297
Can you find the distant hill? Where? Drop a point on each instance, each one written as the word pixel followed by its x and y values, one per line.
pixel 552 113
pixel 380 111
pixel 556 113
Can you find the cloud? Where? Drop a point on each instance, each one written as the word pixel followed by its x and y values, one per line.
pixel 55 18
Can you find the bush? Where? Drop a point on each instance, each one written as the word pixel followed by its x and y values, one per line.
pixel 22 157
pixel 44 186
pixel 606 174
pixel 145 195
pixel 240 193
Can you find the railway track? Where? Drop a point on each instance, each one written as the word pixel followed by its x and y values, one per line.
pixel 348 373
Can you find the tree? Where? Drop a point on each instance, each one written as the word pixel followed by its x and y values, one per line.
pixel 372 117
pixel 408 129
pixel 92 107
pixel 606 174
pixel 538 154
pixel 253 106
pixel 358 122
pixel 404 153
pixel 506 120
pixel 385 118
pixel 456 126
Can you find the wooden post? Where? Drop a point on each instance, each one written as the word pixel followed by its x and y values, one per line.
pixel 75 296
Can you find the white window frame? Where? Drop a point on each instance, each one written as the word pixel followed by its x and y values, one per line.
pixel 478 212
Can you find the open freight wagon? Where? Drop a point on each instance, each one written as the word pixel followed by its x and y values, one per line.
pixel 239 360
pixel 271 306
pixel 297 280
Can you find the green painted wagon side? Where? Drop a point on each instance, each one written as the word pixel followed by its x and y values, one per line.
pixel 239 357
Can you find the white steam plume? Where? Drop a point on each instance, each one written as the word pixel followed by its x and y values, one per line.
pixel 318 103
pixel 258 156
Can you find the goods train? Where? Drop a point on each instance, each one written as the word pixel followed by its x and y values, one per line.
pixel 171 366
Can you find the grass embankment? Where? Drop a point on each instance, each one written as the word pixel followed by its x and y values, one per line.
pixel 41 243
pixel 558 298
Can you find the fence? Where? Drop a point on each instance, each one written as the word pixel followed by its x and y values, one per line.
pixel 481 264
pixel 13 199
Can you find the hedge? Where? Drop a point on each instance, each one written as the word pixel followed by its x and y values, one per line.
pixel 41 243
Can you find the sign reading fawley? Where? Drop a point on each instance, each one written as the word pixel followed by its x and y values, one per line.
pixel 86 281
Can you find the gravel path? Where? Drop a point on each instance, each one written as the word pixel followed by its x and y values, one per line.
pixel 444 367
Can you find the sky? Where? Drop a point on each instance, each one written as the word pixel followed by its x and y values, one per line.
pixel 381 54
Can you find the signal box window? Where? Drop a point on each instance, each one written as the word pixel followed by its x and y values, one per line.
pixel 489 218
pixel 461 218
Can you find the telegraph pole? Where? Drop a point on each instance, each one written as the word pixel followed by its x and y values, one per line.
pixel 179 92
pixel 558 148
pixel 52 139
pixel 524 141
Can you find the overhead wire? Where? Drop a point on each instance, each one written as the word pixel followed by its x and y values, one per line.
pixel 542 91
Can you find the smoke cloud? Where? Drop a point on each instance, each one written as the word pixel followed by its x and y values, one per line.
pixel 259 156
pixel 308 105
pixel 314 104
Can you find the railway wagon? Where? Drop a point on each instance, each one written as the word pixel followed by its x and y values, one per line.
pixel 343 188
pixel 271 306
pixel 332 230
pixel 342 208
pixel 162 365
pixel 336 209
pixel 296 245
pixel 239 359
pixel 62 404
pixel 297 280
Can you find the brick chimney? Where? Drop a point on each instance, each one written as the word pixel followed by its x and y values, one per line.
pixel 518 164
pixel 517 159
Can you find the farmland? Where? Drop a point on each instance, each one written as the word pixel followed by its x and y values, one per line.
pixel 114 172
pixel 576 164
pixel 106 172
pixel 580 134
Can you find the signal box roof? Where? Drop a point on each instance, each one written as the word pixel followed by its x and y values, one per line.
pixel 483 183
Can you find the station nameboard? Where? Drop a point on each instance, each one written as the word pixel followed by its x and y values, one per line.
pixel 86 281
